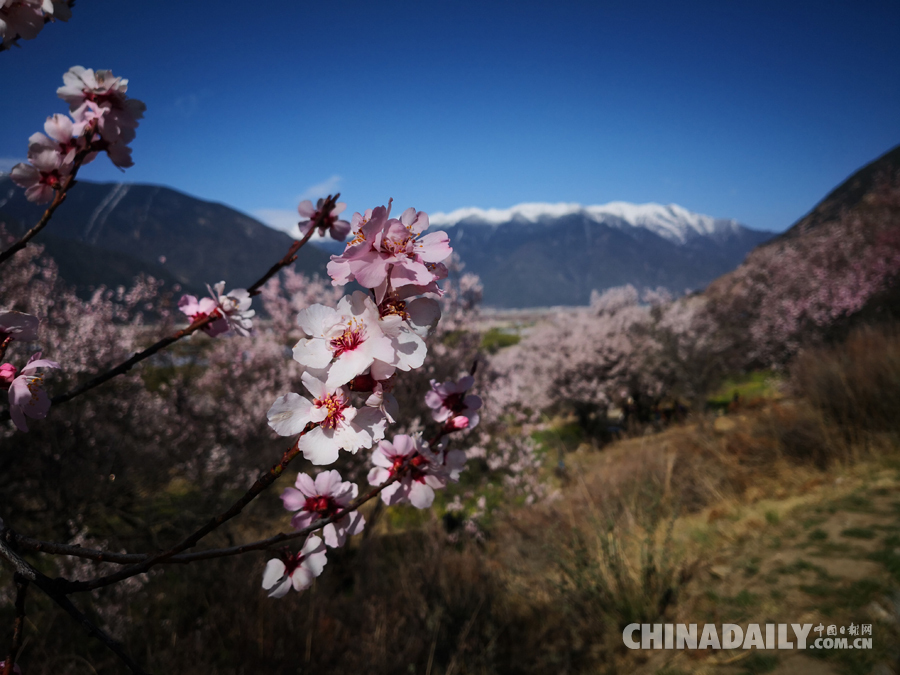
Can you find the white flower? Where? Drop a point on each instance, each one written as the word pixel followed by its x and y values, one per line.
pixel 340 425
pixel 347 340
pixel 235 307
pixel 297 570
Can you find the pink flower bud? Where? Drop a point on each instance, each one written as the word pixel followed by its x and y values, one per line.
pixel 7 374
pixel 458 423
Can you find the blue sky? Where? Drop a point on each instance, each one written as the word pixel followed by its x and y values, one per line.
pixel 741 110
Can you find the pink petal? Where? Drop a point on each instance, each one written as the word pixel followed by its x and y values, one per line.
pixel 293 499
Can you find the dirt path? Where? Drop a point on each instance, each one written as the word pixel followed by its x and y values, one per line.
pixel 830 556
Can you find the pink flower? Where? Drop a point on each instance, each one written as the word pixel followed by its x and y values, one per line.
pixel 295 569
pixel 7 374
pixel 116 115
pixel 26 397
pixel 52 158
pixel 449 403
pixel 65 137
pixel 20 19
pixel 196 310
pixel 340 425
pixel 363 228
pixel 19 326
pixel 322 498
pixel 43 176
pixel 391 253
pixel 425 470
pixel 323 217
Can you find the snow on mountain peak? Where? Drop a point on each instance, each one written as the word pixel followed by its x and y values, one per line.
pixel 671 222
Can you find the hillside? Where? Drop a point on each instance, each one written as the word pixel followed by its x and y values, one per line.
pixel 834 268
pixel 117 230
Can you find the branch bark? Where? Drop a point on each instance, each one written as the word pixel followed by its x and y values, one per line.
pixel 51 588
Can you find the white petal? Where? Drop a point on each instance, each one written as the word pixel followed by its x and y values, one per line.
pixel 327 481
pixel 290 414
pixel 347 366
pixel 315 320
pixel 319 446
pixel 420 495
pixel 312 353
pixel 334 537
pixel 273 573
pixel 314 385
pixel 302 578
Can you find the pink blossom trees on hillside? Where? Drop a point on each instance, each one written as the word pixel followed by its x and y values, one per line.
pixel 791 292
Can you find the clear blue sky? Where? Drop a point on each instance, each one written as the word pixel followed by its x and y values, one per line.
pixel 734 109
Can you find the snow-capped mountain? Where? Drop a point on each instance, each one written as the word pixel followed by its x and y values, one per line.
pixel 672 222
pixel 534 255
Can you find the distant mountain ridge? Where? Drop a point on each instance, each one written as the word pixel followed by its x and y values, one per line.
pixel 531 255
pixel 152 229
pixel 672 222
pixel 538 255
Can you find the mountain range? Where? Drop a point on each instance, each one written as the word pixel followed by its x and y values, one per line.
pixel 531 255
pixel 107 233
pixel 538 255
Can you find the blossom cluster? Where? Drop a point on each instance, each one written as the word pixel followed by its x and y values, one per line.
pixel 230 311
pixel 27 397
pixel 24 19
pixel 101 119
pixel 350 355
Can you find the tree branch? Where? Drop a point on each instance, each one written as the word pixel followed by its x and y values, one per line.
pixel 263 482
pixel 18 626
pixel 50 588
pixel 132 558
pixel 67 183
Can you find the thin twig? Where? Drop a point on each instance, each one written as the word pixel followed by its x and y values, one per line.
pixel 149 561
pixel 56 548
pixel 263 482
pixel 4 345
pixel 67 183
pixel 18 626
pixel 51 588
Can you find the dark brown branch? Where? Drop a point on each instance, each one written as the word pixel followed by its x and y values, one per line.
pixel 263 482
pixel 39 546
pixel 327 207
pixel 4 345
pixel 288 259
pixel 18 626
pixel 51 588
